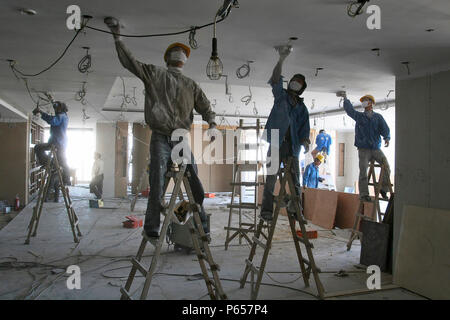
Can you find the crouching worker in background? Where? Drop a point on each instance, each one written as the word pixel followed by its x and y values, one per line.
pixel 96 185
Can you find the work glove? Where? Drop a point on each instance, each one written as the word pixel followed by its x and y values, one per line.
pixel 284 51
pixel 386 143
pixel 212 127
pixel 321 179
pixel 305 143
pixel 113 25
pixel 36 111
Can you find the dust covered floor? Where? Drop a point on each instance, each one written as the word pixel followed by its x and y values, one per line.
pixel 37 270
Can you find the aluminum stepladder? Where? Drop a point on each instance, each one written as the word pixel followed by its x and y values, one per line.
pixel 376 213
pixel 204 256
pixel 243 228
pixel 53 167
pixel 307 266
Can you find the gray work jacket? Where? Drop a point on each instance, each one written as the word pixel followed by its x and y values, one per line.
pixel 170 97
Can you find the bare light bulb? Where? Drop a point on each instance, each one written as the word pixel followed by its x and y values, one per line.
pixel 214 69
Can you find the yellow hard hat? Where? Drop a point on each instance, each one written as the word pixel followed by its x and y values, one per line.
pixel 186 49
pixel 320 157
pixel 367 96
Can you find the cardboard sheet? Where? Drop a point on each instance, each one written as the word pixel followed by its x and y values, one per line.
pixel 423 254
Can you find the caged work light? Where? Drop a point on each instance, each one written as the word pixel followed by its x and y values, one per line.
pixel 214 69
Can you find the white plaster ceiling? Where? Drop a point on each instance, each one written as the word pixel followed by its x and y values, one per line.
pixel 328 38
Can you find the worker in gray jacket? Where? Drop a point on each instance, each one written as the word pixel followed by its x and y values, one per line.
pixel 170 98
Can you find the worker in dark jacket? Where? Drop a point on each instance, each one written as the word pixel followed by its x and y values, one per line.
pixel 170 100
pixel 368 129
pixel 58 138
pixel 290 117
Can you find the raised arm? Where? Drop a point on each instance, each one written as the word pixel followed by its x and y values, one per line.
pixel 348 107
pixel 52 120
pixel 126 58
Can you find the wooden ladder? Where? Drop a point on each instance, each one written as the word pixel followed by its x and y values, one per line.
pixel 243 228
pixel 51 168
pixel 308 265
pixel 199 241
pixel 376 213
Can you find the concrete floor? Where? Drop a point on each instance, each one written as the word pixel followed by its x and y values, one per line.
pixel 37 270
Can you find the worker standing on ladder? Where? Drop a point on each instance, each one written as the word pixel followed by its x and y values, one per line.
pixel 368 129
pixel 323 143
pixel 290 117
pixel 170 98
pixel 58 138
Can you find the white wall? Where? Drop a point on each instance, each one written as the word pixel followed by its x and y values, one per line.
pixel 423 138
pixel 106 141
pixel 351 168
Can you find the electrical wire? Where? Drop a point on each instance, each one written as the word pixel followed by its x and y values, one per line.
pixel 246 99
pixel 155 34
pixel 244 70
pixel 13 67
pixel 85 63
pixel 192 41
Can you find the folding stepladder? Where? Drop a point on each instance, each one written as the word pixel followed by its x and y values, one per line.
pixel 52 167
pixel 204 256
pixel 376 213
pixel 306 265
pixel 243 228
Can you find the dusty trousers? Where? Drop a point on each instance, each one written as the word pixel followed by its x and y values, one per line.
pixel 365 156
pixel 160 160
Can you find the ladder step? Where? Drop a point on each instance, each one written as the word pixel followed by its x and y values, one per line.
pixel 125 293
pixel 251 266
pixel 243 206
pixel 359 233
pixel 247 224
pixel 259 242
pixel 238 229
pixel 250 127
pixel 247 167
pixel 305 242
pixel 247 184
pixel 139 266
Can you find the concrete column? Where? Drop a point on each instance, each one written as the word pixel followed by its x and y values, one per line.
pixel 422 148
pixel 140 154
pixel 105 142
pixel 121 163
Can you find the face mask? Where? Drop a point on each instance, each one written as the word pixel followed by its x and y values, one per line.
pixel 295 86
pixel 178 55
pixel 175 69
pixel 365 103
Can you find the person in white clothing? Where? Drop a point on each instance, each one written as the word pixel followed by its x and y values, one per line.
pixel 96 185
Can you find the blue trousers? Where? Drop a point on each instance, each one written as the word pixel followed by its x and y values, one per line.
pixel 160 160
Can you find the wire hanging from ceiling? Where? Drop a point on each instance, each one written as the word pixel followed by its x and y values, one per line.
pixel 86 62
pixel 192 41
pixel 244 70
pixel 248 98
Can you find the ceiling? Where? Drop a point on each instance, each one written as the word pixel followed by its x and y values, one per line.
pixel 328 38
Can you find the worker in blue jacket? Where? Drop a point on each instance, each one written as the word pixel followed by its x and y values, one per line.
pixel 58 138
pixel 290 117
pixel 311 176
pixel 368 129
pixel 323 143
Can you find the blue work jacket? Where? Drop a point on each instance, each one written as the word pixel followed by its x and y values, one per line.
pixel 58 126
pixel 284 116
pixel 311 176
pixel 367 129
pixel 323 140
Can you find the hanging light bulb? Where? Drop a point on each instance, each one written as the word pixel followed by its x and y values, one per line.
pixel 214 69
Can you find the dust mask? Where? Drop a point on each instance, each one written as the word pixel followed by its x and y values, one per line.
pixel 178 55
pixel 295 86
pixel 175 69
pixel 365 103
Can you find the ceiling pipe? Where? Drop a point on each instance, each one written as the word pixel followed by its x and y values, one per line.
pixel 339 111
pixel 195 113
